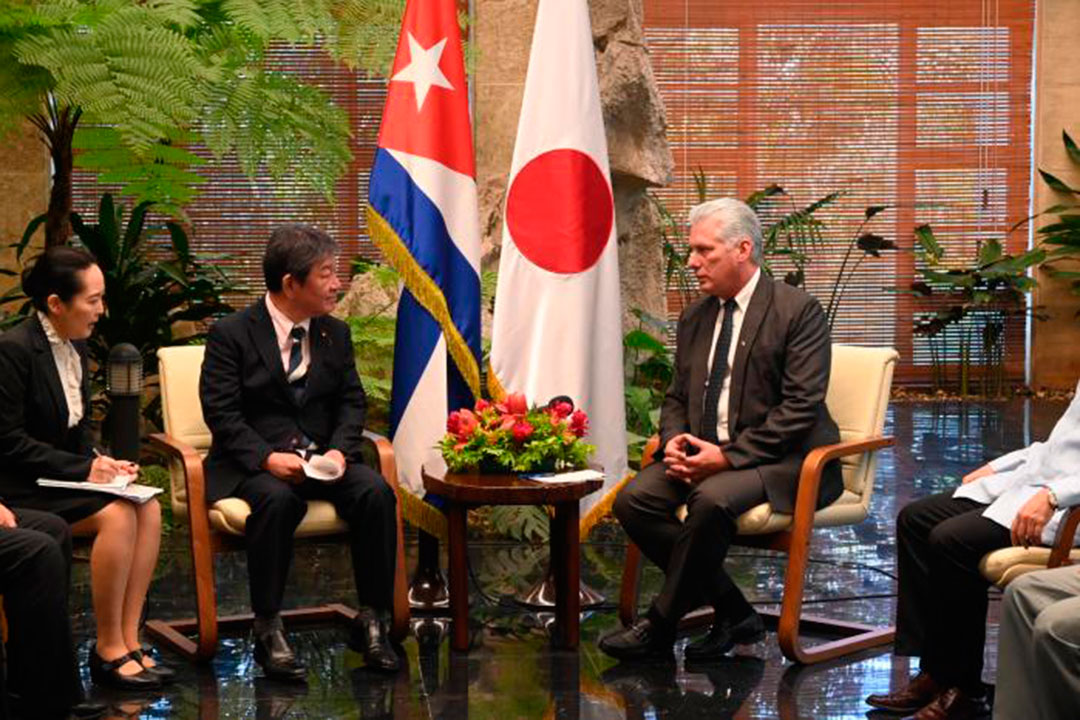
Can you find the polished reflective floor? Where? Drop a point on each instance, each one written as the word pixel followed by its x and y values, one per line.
pixel 513 673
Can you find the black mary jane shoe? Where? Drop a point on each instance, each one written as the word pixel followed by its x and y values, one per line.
pixel 107 674
pixel 165 673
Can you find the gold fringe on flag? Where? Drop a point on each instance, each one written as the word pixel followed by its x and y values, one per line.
pixel 495 388
pixel 602 508
pixel 421 515
pixel 427 293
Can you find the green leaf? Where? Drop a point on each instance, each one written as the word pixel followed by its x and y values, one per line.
pixel 931 250
pixel 872 244
pixel 989 252
pixel 28 235
pixel 1056 184
pixel 641 340
pixel 1070 147
pixel 874 210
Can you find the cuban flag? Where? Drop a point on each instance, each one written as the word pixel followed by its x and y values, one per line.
pixel 422 214
pixel 557 328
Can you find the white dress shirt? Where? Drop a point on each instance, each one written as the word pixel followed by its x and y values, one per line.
pixel 1053 464
pixel 742 301
pixel 69 367
pixel 282 327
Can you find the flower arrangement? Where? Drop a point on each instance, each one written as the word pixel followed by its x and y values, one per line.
pixel 509 436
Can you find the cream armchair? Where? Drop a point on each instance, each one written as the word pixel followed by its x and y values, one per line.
pixel 220 526
pixel 1003 566
pixel 858 396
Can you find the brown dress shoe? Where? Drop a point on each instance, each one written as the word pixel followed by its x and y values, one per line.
pixel 953 704
pixel 915 695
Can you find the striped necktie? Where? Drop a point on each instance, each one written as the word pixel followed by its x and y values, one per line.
pixel 296 353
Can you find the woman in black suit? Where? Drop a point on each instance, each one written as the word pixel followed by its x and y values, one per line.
pixel 44 414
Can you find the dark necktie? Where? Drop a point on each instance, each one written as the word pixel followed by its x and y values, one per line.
pixel 710 410
pixel 296 356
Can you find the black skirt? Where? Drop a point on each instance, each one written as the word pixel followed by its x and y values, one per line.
pixel 71 505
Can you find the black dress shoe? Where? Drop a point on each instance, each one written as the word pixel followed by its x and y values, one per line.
pixel 724 636
pixel 276 658
pixel 107 673
pixel 163 671
pixel 370 636
pixel 644 640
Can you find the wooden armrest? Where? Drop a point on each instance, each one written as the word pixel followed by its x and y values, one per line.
pixel 810 476
pixel 385 451
pixel 651 446
pixel 194 480
pixel 1063 543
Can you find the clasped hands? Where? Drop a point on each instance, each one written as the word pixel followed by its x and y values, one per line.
pixel 685 464
pixel 289 466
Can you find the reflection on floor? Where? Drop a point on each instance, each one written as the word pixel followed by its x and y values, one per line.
pixel 512 672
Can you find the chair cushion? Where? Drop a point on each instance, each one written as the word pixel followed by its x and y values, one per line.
pixel 230 516
pixel 761 520
pixel 1003 566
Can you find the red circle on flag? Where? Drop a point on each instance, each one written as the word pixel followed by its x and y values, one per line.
pixel 559 211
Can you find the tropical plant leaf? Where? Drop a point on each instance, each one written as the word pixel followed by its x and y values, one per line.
pixel 1070 147
pixel 1056 184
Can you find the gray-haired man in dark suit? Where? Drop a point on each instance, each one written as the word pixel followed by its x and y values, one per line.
pixel 745 406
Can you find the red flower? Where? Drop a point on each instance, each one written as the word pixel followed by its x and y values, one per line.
pixel 469 423
pixel 522 430
pixel 579 423
pixel 561 410
pixel 513 404
pixel 462 423
pixel 482 405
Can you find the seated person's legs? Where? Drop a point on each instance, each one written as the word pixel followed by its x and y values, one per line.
pixel 941 611
pixel 693 552
pixel 368 504
pixel 276 510
pixel 125 551
pixel 1037 646
pixel 42 678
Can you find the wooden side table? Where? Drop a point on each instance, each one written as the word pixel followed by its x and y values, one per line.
pixel 464 491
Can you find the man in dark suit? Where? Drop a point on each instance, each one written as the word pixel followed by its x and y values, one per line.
pixel 35 561
pixel 279 379
pixel 745 406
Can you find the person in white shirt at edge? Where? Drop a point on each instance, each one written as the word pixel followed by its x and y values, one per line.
pixel 1018 499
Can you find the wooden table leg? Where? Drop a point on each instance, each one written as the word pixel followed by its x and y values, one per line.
pixel 459 576
pixel 566 563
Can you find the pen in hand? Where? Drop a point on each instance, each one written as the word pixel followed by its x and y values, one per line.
pixel 109 469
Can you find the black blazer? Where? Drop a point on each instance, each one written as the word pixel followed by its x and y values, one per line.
pixel 776 411
pixel 35 440
pixel 252 411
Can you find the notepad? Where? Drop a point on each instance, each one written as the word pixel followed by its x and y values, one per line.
pixel 565 477
pixel 127 490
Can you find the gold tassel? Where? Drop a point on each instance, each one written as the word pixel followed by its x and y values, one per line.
pixel 602 508
pixel 495 388
pixel 427 293
pixel 421 515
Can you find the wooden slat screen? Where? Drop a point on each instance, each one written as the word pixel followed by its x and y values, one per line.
pixel 919 105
